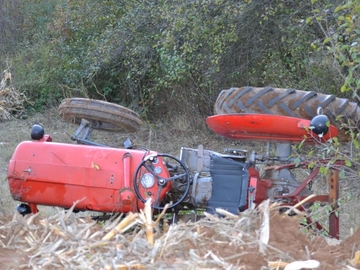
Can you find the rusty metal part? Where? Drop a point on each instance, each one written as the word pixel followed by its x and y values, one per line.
pixel 103 115
pixel 288 102
pixel 334 222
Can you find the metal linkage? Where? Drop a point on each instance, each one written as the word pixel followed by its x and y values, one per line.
pixel 83 134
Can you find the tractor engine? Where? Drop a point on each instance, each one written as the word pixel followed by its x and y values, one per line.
pixel 231 182
pixel 218 180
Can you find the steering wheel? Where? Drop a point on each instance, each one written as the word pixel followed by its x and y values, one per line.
pixel 149 174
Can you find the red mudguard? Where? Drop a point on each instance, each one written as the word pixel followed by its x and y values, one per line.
pixel 264 127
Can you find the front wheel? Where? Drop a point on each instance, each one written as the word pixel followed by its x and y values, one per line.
pixel 103 115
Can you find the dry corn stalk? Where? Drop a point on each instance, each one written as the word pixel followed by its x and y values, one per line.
pixel 12 102
pixel 264 233
pixel 125 267
pixel 146 217
pixel 356 259
pixel 277 264
pixel 296 265
pixel 124 224
pixel 226 213
pixel 293 208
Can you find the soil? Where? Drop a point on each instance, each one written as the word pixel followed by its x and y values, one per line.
pixel 210 243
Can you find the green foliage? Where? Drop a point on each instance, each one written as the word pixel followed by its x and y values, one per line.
pixel 340 25
pixel 160 56
pixel 194 46
pixel 289 59
pixel 9 10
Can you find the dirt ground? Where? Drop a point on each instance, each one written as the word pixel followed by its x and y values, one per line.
pixel 65 241
pixel 54 239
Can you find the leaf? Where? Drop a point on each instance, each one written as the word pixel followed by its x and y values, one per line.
pixel 311 165
pixel 341 18
pixel 348 163
pixel 328 208
pixel 324 170
pixel 356 144
pixel 301 144
pixel 326 40
pixel 337 9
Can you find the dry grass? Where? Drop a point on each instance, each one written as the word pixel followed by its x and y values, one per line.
pixel 12 102
pixel 65 241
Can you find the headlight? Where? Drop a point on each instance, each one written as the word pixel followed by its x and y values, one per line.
pixel 147 180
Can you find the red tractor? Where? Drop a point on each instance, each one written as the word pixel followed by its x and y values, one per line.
pixel 111 180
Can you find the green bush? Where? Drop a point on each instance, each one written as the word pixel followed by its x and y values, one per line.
pixel 163 57
pixel 339 23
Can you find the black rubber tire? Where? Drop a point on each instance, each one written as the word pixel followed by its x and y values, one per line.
pixel 288 102
pixel 108 116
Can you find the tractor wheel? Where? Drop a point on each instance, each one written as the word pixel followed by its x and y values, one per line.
pixel 104 115
pixel 288 102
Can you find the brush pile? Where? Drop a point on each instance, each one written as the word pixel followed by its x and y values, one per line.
pixel 12 102
pixel 135 241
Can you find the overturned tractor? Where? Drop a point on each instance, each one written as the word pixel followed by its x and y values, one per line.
pixel 106 179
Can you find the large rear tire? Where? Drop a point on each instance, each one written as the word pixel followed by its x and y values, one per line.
pixel 288 102
pixel 107 116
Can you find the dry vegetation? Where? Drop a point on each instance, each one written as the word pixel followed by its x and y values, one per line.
pixel 12 102
pixel 256 239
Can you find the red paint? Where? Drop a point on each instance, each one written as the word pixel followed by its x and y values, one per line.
pixel 57 174
pixel 264 127
pixel 257 187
